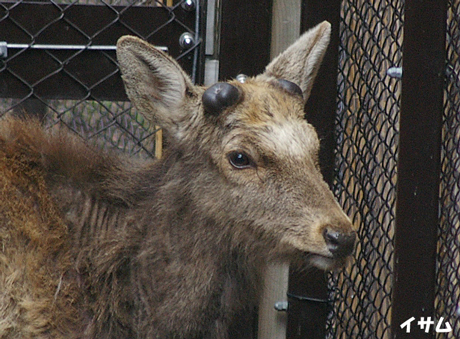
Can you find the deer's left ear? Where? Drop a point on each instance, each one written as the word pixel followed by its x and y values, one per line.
pixel 301 61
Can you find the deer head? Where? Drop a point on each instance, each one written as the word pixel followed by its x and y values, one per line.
pixel 252 158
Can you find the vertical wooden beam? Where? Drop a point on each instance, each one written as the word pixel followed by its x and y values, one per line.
pixel 307 318
pixel 419 166
pixel 158 142
pixel 168 3
pixel 272 323
pixel 285 25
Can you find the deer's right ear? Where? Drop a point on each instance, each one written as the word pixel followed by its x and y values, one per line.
pixel 155 83
pixel 300 62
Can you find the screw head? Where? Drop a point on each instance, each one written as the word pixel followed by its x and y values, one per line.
pixel 395 72
pixel 188 5
pixel 3 50
pixel 186 40
pixel 281 306
pixel 241 78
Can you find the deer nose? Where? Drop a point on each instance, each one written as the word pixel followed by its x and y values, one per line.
pixel 339 244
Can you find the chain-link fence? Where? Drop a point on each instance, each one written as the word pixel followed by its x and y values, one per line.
pixel 367 131
pixel 448 273
pixel 58 62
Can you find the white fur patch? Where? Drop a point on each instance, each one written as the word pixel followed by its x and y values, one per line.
pixel 296 139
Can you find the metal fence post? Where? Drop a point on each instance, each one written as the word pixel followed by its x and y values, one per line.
pixel 307 318
pixel 245 37
pixel 244 48
pixel 419 167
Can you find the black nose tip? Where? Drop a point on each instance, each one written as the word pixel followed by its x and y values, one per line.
pixel 339 244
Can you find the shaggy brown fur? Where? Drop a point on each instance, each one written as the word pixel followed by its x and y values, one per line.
pixel 99 246
pixel 34 245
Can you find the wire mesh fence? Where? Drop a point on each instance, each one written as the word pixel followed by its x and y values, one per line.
pixel 59 63
pixel 448 273
pixel 367 132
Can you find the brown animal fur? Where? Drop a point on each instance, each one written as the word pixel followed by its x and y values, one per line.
pixel 34 247
pixel 98 246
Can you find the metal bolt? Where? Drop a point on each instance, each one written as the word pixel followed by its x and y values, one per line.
pixel 281 306
pixel 188 5
pixel 242 78
pixel 395 72
pixel 186 40
pixel 3 50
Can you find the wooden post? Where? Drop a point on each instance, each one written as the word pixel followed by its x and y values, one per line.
pixel 272 323
pixel 158 142
pixel 285 25
pixel 168 3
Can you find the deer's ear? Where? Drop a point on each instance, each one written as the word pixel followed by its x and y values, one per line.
pixel 155 83
pixel 300 62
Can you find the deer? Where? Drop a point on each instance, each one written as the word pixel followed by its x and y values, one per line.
pixel 95 244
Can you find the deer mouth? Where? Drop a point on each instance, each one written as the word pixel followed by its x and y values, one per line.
pixel 325 262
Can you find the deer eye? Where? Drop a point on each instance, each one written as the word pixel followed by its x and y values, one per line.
pixel 240 160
